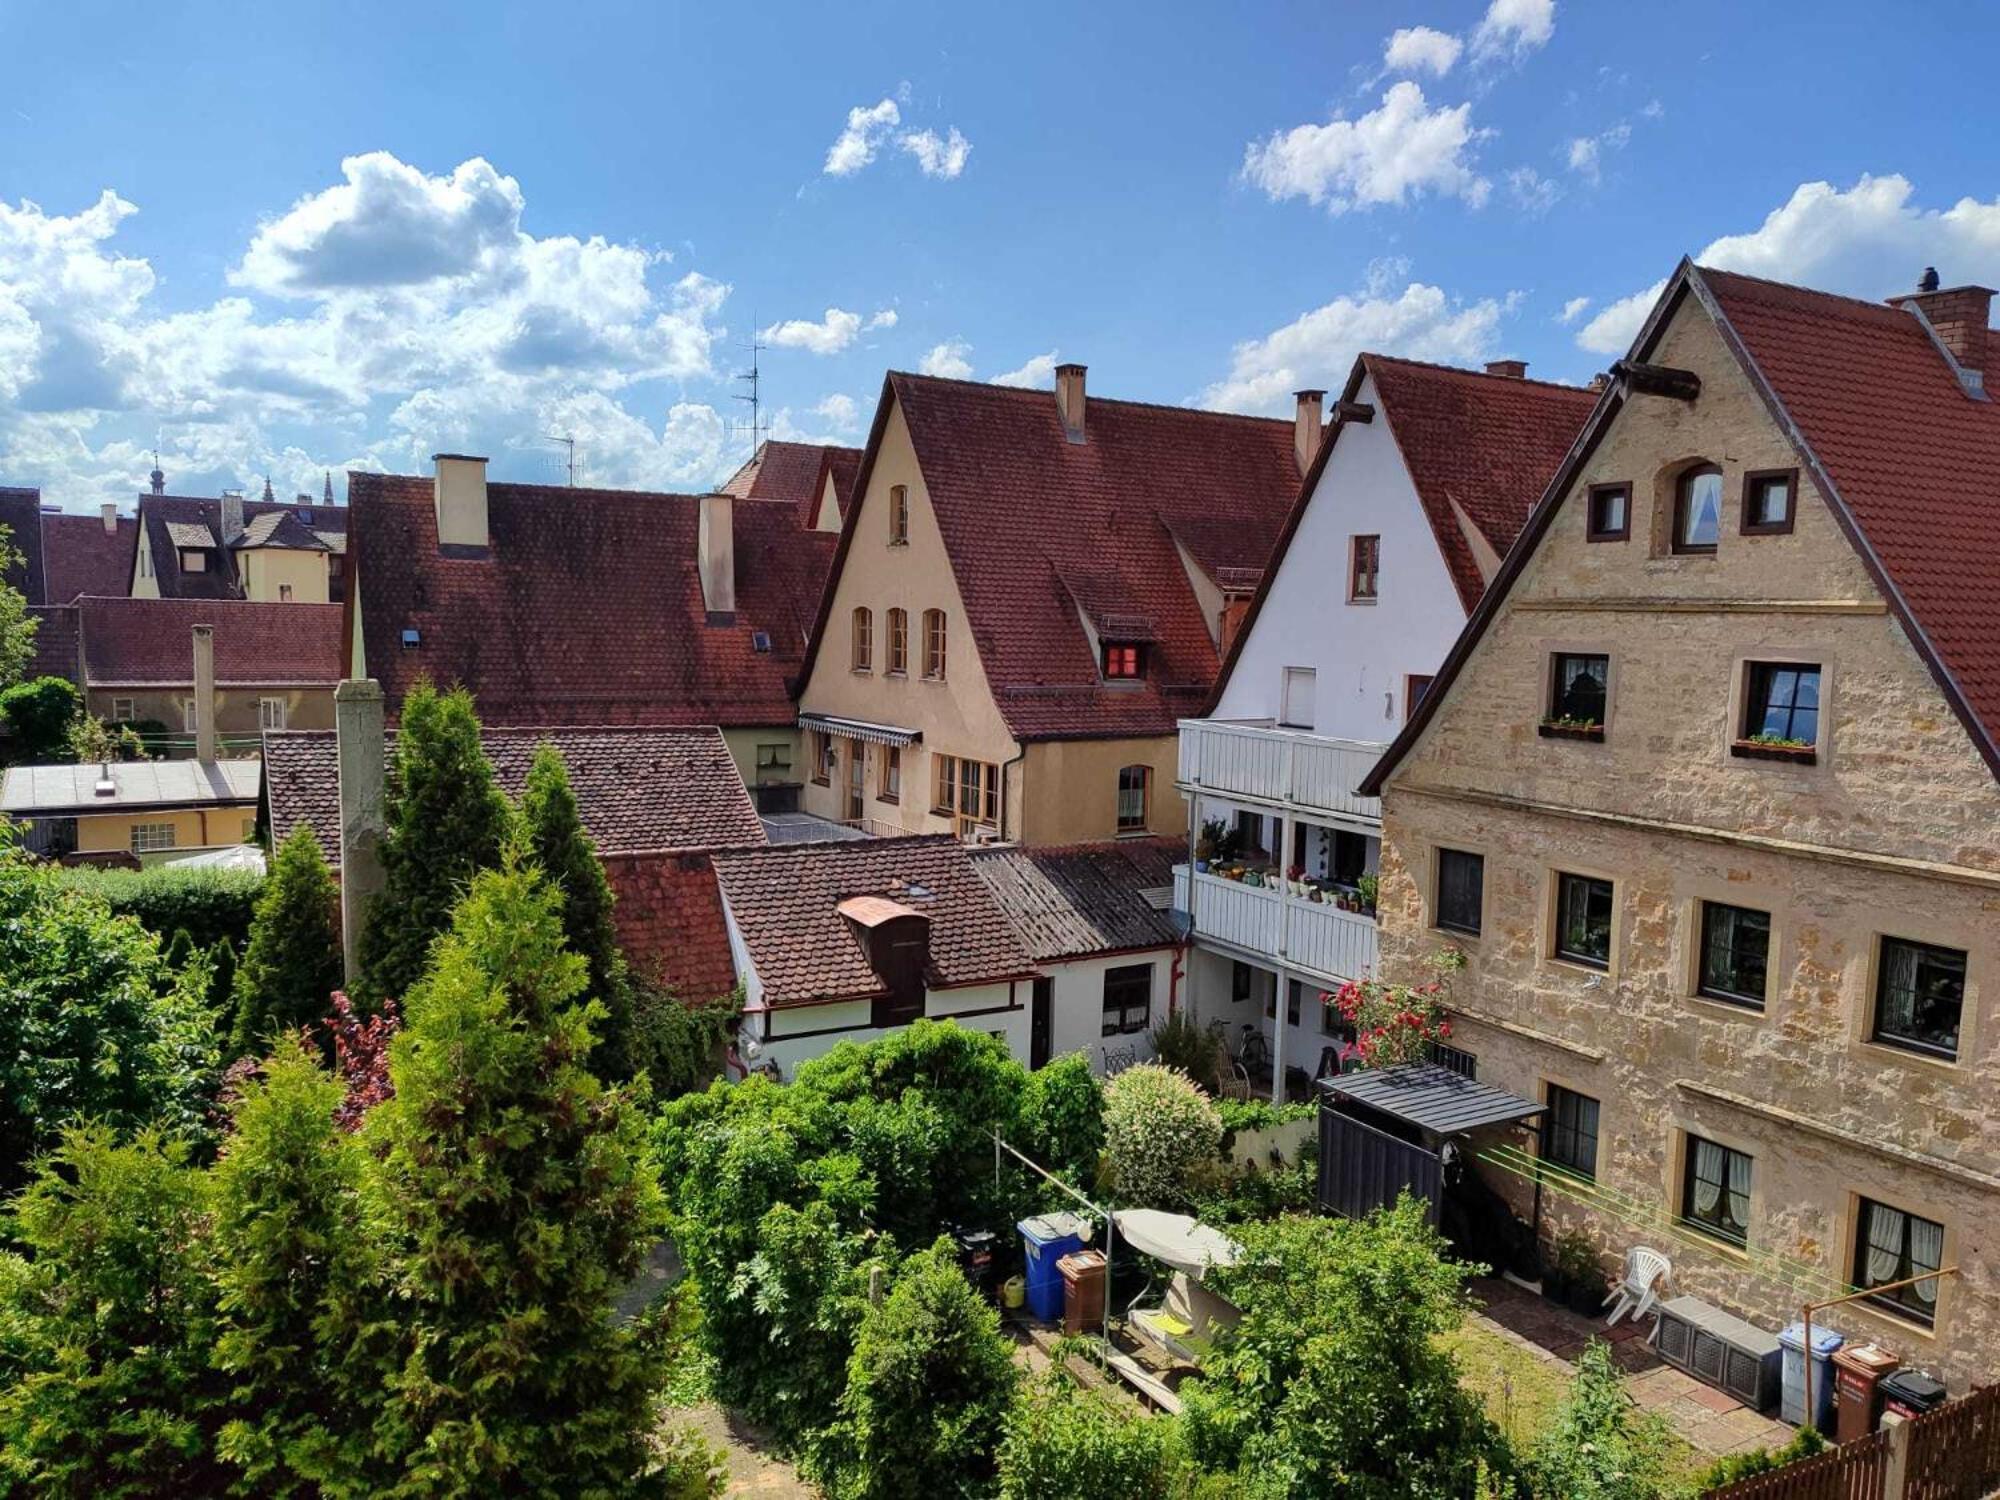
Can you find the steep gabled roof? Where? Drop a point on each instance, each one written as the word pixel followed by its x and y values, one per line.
pixel 168 523
pixel 79 556
pixel 1078 900
pixel 587 608
pixel 796 473
pixel 21 514
pixel 668 915
pixel 1022 509
pixel 785 901
pixel 149 642
pixel 1907 460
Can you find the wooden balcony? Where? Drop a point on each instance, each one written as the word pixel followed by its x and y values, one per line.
pixel 1283 930
pixel 1278 768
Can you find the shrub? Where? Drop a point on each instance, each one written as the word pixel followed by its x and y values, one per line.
pixel 677 1045
pixel 1061 1440
pixel 1182 1042
pixel 1734 1467
pixel 1398 1023
pixel 1598 1447
pixel 928 1388
pixel 1062 1119
pixel 90 739
pixel 212 905
pixel 292 965
pixel 360 1046
pixel 1159 1128
pixel 39 713
pixel 17 626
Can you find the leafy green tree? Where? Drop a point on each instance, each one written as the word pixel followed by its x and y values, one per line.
pixel 88 738
pixel 1062 1118
pixel 17 626
pixel 1334 1382
pixel 1063 1440
pixel 107 1326
pixel 1599 1447
pixel 928 1388
pixel 292 964
pixel 293 1263
pixel 447 820
pixel 518 1198
pixel 38 712
pixel 557 841
pixel 1160 1132
pixel 180 951
pixel 93 1024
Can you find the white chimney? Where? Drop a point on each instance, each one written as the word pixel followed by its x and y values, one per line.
pixel 460 500
pixel 716 554
pixel 1069 400
pixel 1306 425
pixel 232 516
pixel 204 694
pixel 109 510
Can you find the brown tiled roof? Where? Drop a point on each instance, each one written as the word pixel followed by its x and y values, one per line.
pixel 796 473
pixel 1080 899
pixel 1021 509
pixel 147 642
pixel 279 528
pixel 57 643
pixel 588 607
pixel 785 901
pixel 636 788
pixel 170 522
pixel 21 514
pixel 80 557
pixel 670 923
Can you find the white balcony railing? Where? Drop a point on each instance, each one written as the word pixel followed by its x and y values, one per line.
pixel 1322 940
pixel 1287 767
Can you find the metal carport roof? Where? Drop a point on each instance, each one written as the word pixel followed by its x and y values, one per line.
pixel 1431 1097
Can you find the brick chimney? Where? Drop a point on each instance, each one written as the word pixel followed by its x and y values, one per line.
pixel 1069 400
pixel 716 557
pixel 1513 369
pixel 204 694
pixel 459 498
pixel 109 510
pixel 359 749
pixel 1306 421
pixel 1958 315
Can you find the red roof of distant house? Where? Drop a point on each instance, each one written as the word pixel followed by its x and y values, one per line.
pixel 588 607
pixel 169 523
pixel 785 902
pixel 670 923
pixel 1043 532
pixel 58 643
pixel 149 642
pixel 21 514
pixel 80 557
pixel 796 472
pixel 637 789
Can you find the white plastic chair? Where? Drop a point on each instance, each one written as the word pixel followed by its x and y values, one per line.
pixel 1646 1272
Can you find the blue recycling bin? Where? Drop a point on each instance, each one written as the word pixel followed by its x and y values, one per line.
pixel 1046 1239
pixel 1792 1389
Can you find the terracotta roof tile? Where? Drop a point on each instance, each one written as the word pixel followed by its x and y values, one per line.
pixel 636 789
pixel 588 607
pixel 1080 899
pixel 785 901
pixel 795 473
pixel 670 923
pixel 57 643
pixel 139 642
pixel 80 557
pixel 21 514
pixel 170 522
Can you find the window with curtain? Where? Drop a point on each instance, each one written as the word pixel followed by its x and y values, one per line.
pixel 1735 953
pixel 1128 999
pixel 899 641
pixel 1919 995
pixel 934 644
pixel 1579 683
pixel 1698 509
pixel 1133 782
pixel 862 638
pixel 1715 1195
pixel 1891 1245
pixel 1569 1131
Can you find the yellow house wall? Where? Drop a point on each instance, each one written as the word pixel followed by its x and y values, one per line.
pixel 193 828
pixel 266 568
pixel 1892 832
pixel 1072 789
pixel 743 746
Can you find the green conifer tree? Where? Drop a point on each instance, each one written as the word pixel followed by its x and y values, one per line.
pixel 180 949
pixel 447 821
pixel 557 841
pixel 221 981
pixel 292 963
pixel 519 1196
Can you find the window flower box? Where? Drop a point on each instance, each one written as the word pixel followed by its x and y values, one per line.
pixel 1571 729
pixel 1799 752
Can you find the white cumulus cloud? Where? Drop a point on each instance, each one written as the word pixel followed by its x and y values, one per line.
pixel 886 318
pixel 1037 372
pixel 1533 193
pixel 829 335
pixel 841 412
pixel 949 359
pixel 937 156
pixel 1421 49
pixel 1513 29
pixel 1573 309
pixel 855 146
pixel 1399 150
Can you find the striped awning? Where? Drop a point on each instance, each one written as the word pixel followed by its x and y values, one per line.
pixel 861 729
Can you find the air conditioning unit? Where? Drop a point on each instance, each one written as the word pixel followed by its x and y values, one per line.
pixel 1721 1350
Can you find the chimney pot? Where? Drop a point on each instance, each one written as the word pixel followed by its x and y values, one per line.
pixel 1069 400
pixel 1513 369
pixel 459 499
pixel 1307 420
pixel 1928 282
pixel 109 510
pixel 1599 381
pixel 716 557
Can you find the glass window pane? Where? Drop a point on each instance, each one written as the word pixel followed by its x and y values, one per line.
pixel 1701 510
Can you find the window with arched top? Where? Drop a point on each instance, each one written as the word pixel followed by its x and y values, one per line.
pixel 899 642
pixel 862 641
pixel 1134 784
pixel 934 644
pixel 1698 509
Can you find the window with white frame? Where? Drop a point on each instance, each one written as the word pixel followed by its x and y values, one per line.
pixel 1295 703
pixel 1128 999
pixel 123 711
pixel 270 713
pixel 146 836
pixel 188 715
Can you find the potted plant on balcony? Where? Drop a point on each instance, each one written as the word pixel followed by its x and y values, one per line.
pixel 1368 885
pixel 1570 727
pixel 1295 881
pixel 1775 747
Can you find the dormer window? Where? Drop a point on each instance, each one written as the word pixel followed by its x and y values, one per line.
pixel 1124 662
pixel 760 642
pixel 1698 510
pixel 194 559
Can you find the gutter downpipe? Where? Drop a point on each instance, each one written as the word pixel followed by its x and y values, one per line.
pixel 1020 760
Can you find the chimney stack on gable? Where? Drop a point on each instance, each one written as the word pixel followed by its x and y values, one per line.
pixel 459 498
pixel 1069 400
pixel 1513 369
pixel 232 516
pixel 1957 316
pixel 1307 421
pixel 204 694
pixel 715 555
pixel 109 510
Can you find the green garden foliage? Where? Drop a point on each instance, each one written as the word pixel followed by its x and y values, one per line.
pixel 928 1388
pixel 1732 1468
pixel 517 1198
pixel 447 821
pixel 294 1272
pixel 180 952
pixel 93 1024
pixel 1182 1042
pixel 1161 1136
pixel 89 738
pixel 38 714
pixel 556 840
pixel 1333 1383
pixel 1599 1447
pixel 213 905
pixel 1062 1119
pixel 678 1046
pixel 107 1325
pixel 292 964
pixel 221 999
pixel 1063 1440
pixel 17 626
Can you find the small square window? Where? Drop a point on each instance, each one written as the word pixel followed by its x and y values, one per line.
pixel 122 711
pixel 1461 880
pixel 1890 1246
pixel 1781 704
pixel 775 756
pixel 1770 498
pixel 271 713
pixel 1610 518
pixel 411 639
pixel 1128 999
pixel 760 642
pixel 1123 662
pixel 1569 1132
pixel 1919 996
pixel 1364 566
pixel 1583 920
pixel 284 593
pixel 1579 687
pixel 1715 1190
pixel 1415 685
pixel 1735 954
pixel 194 560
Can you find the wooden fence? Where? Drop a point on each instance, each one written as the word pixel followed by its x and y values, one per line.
pixel 1952 1453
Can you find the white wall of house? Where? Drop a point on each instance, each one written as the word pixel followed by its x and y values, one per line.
pixel 791 1035
pixel 1077 1016
pixel 1361 653
pixel 1211 986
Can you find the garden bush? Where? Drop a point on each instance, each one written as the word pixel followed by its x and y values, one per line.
pixel 292 964
pixel 1734 1467
pixel 1182 1042
pixel 212 905
pixel 1062 1119
pixel 1160 1130
pixel 38 714
pixel 1063 1440
pixel 1599 1446
pixel 678 1045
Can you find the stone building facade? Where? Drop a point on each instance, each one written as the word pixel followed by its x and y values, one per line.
pixel 1756 984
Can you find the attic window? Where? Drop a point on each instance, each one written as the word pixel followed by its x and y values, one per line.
pixel 1124 662
pixel 760 640
pixel 194 560
pixel 411 636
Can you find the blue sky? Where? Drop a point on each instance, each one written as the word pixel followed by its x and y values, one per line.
pixel 288 238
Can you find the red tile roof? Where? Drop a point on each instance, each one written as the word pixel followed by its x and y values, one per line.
pixel 148 642
pixel 21 514
pixel 670 924
pixel 161 515
pixel 58 643
pixel 1484 444
pixel 80 557
pixel 1082 899
pixel 785 899
pixel 637 789
pixel 796 472
pixel 1038 526
pixel 588 607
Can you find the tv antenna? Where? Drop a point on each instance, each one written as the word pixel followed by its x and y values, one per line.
pixel 569 464
pixel 751 377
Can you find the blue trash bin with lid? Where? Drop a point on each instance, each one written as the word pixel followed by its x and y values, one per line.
pixel 1792 1390
pixel 1046 1239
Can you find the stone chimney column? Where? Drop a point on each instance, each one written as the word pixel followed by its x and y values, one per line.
pixel 716 554
pixel 204 694
pixel 1307 422
pixel 360 748
pixel 232 516
pixel 1069 400
pixel 109 510
pixel 459 497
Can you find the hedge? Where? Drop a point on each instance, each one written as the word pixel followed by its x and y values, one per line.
pixel 211 904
